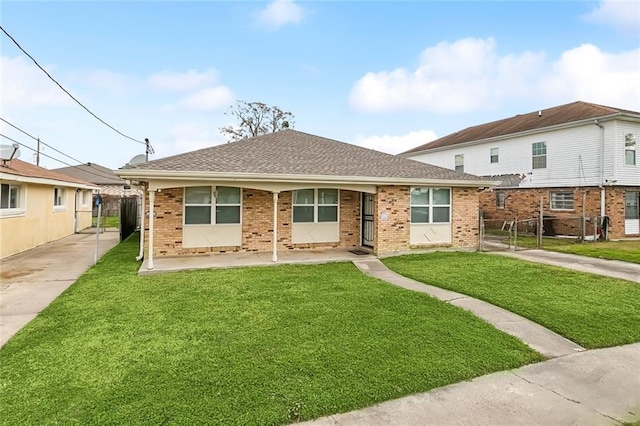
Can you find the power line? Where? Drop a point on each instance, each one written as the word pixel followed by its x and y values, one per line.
pixel 67 92
pixel 103 174
pixel 48 156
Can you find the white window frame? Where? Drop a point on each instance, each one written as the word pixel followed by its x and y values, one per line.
pixel 538 154
pixel 430 204
pixel 213 204
pixel 19 209
pixel 561 200
pixel 501 199
pixel 458 161
pixel 494 152
pixel 316 204
pixel 86 198
pixel 630 153
pixel 59 198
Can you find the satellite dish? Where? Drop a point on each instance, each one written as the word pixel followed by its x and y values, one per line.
pixel 138 159
pixel 9 152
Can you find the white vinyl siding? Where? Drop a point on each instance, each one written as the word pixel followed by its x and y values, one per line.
pixel 561 201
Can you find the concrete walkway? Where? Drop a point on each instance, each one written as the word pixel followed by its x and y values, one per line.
pixel 539 338
pixel 610 268
pixel 31 280
pixel 596 387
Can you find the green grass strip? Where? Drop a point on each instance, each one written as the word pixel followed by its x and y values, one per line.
pixel 269 345
pixel 590 310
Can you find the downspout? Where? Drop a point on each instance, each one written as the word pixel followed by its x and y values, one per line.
pixel 601 186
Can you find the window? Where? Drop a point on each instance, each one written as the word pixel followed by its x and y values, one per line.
pixel 562 201
pixel 630 149
pixel 86 196
pixel 430 205
pixel 539 155
pixel 459 162
pixel 315 205
pixel 9 196
pixel 204 205
pixel 59 197
pixel 500 199
pixel 494 153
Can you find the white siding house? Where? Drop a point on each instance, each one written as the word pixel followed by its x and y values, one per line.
pixel 578 145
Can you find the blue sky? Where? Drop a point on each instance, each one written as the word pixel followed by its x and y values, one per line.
pixel 386 75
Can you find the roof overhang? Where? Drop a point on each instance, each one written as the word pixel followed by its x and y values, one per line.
pixel 159 179
pixel 631 117
pixel 45 181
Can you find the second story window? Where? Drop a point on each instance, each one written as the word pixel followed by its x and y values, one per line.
pixel 630 149
pixel 539 155
pixel 459 162
pixel 494 152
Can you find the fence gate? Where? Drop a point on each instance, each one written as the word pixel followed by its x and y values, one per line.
pixel 128 216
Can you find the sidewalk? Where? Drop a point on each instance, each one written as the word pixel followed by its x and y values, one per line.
pixel 610 268
pixel 31 280
pixel 596 387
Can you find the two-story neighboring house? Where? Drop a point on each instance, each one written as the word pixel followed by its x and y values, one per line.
pixel 579 158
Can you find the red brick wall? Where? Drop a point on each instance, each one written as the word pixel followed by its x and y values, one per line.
pixel 257 223
pixel 524 203
pixel 464 217
pixel 392 233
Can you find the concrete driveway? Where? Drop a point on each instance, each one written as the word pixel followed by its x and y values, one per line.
pixel 31 280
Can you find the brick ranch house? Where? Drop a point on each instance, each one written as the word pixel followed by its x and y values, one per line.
pixel 291 190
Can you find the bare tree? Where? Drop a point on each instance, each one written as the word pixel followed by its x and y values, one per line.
pixel 255 119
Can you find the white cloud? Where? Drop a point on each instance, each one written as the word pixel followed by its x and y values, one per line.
pixel 622 14
pixel 23 85
pixel 470 75
pixel 188 136
pixel 183 82
pixel 208 99
pixel 279 13
pixel 396 144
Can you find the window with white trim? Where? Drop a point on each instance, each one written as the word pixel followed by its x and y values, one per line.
pixel 459 162
pixel 500 199
pixel 562 201
pixel 630 149
pixel 59 198
pixel 206 205
pixel 315 205
pixel 430 205
pixel 9 196
pixel 86 197
pixel 494 153
pixel 539 155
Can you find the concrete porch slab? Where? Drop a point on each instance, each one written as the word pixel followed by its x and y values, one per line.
pixel 234 260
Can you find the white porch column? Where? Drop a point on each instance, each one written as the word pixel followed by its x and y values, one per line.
pixel 274 257
pixel 152 199
pixel 144 209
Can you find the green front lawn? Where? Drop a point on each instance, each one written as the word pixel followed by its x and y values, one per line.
pixel 591 310
pixel 265 345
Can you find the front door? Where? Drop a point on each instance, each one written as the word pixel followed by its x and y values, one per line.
pixel 632 213
pixel 367 219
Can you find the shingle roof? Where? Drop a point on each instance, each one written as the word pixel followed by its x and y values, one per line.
pixel 92 172
pixel 291 152
pixel 562 114
pixel 21 168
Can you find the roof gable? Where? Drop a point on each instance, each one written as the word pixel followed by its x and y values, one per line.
pixel 291 152
pixel 541 119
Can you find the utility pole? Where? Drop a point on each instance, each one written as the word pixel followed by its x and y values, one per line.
pixel 149 149
pixel 38 153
